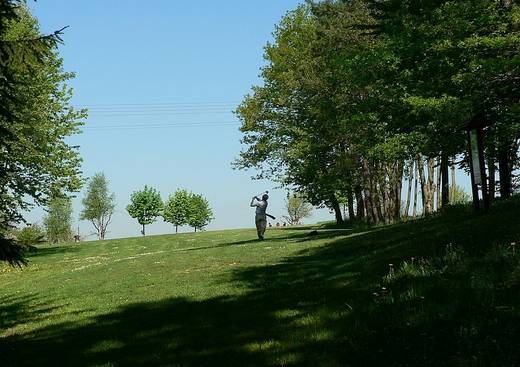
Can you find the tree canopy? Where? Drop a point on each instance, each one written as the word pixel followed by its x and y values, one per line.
pixel 146 205
pixel 358 95
pixel 58 220
pixel 297 209
pixel 36 162
pixel 177 208
pixel 200 213
pixel 98 204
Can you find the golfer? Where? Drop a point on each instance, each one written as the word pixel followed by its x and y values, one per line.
pixel 260 217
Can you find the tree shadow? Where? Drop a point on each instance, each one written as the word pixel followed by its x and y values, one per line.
pixel 46 251
pixel 18 310
pixel 316 308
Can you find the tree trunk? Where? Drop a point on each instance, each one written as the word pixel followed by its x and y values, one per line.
pixel 351 213
pixel 176 228
pixel 453 183
pixel 360 205
pixel 376 199
pixel 371 202
pixel 416 179
pixel 385 199
pixel 424 186
pixel 369 206
pixel 427 185
pixel 431 186
pixel 439 183
pixel 445 186
pixel 409 192
pixel 143 232
pixel 492 173
pixel 504 172
pixel 337 210
pixel 398 187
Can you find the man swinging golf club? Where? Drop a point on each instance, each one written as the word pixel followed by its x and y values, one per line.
pixel 261 216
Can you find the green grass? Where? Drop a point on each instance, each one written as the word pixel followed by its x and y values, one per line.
pixel 450 298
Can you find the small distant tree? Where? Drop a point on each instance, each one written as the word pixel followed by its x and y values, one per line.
pixel 177 208
pixel 200 213
pixel 98 204
pixel 297 209
pixel 459 196
pixel 58 220
pixel 29 236
pixel 146 205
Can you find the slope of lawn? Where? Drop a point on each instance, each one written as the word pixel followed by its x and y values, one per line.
pixel 442 291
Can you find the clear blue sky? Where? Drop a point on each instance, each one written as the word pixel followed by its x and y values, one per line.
pixel 185 64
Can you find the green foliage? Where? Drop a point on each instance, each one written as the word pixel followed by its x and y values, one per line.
pixel 36 162
pixel 30 236
pixel 297 209
pixel 146 205
pixel 11 252
pixel 200 213
pixel 459 196
pixel 98 204
pixel 177 208
pixel 58 220
pixel 353 91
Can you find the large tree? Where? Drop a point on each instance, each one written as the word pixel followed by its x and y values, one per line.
pixel 146 205
pixel 36 162
pixel 315 122
pixel 58 220
pixel 282 119
pixel 98 204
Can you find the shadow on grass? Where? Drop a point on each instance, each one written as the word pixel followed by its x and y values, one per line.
pixel 268 240
pixel 46 251
pixel 316 309
pixel 20 310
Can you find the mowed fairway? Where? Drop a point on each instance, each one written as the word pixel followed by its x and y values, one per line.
pixel 154 300
pixel 223 298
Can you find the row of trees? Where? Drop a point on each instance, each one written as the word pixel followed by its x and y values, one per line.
pixel 36 162
pixel 181 208
pixel 360 96
pixel 98 208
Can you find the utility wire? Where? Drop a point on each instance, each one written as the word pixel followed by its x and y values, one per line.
pixel 159 126
pixel 155 113
pixel 168 104
pixel 121 115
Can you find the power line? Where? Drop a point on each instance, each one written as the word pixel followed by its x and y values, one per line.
pixel 156 113
pixel 121 115
pixel 158 109
pixel 159 126
pixel 164 108
pixel 173 104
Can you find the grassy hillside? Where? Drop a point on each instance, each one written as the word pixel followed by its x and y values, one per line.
pixel 439 291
